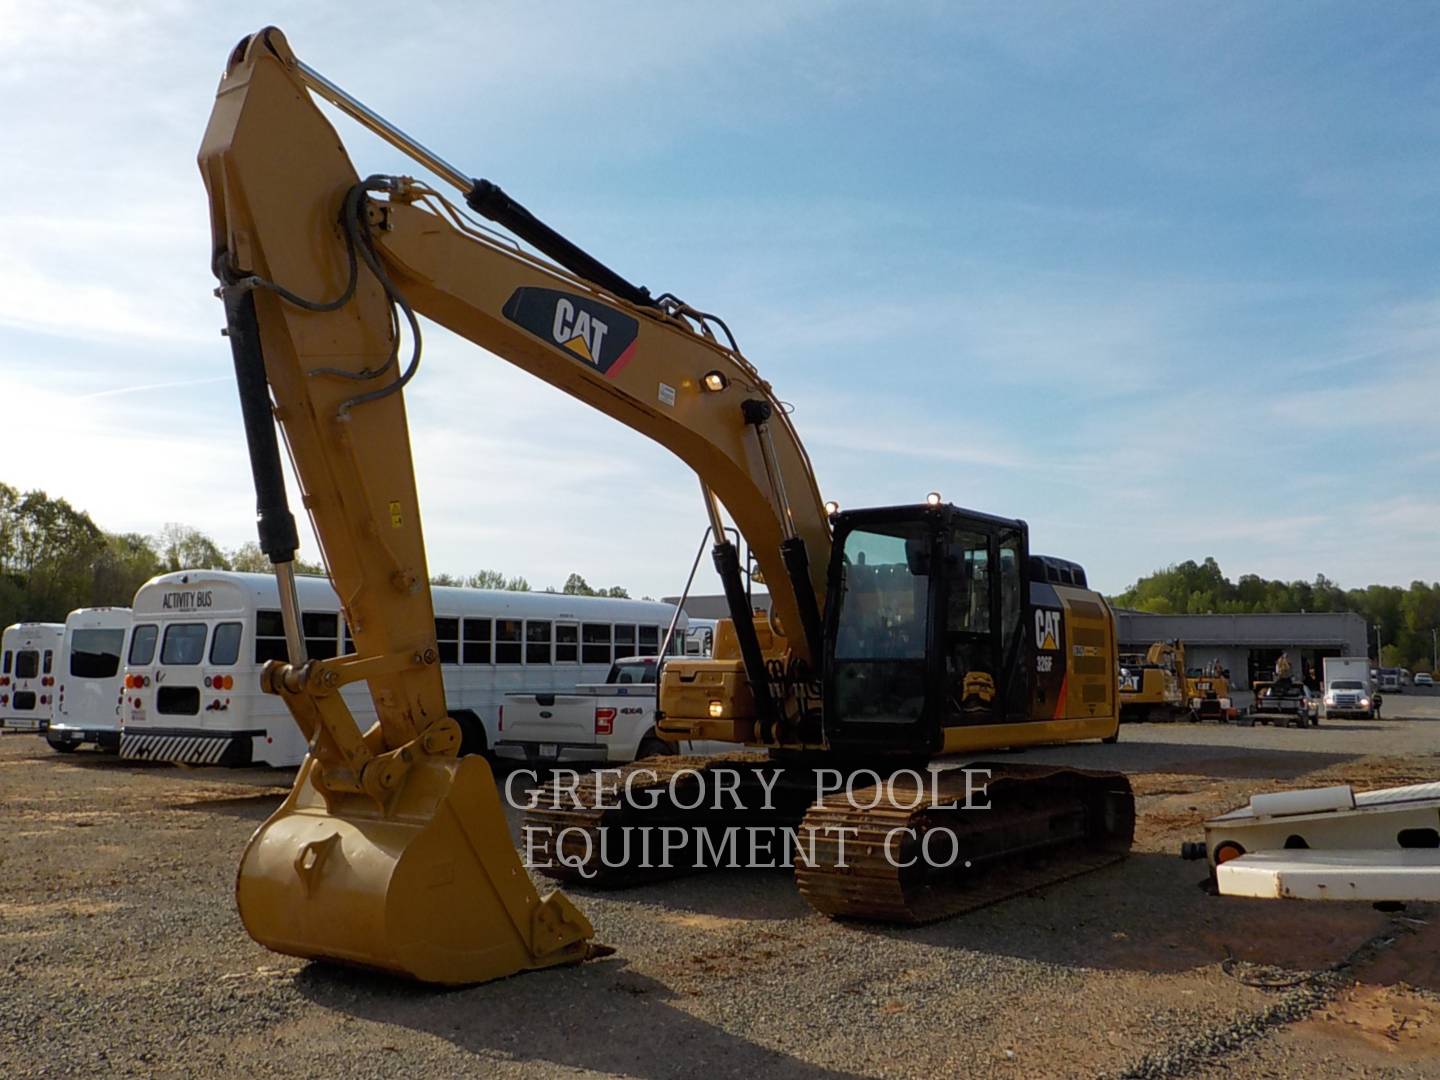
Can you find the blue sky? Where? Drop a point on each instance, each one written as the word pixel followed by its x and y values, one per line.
pixel 1159 278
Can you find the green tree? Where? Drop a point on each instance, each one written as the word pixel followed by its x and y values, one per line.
pixel 52 551
pixel 183 547
pixel 575 585
pixel 127 562
pixel 486 579
pixel 248 558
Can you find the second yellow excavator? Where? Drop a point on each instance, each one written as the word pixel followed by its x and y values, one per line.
pixel 896 634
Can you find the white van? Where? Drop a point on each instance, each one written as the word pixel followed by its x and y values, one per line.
pixel 27 675
pixel 87 706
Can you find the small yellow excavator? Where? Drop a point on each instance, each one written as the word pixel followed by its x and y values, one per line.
pixel 897 634
pixel 1153 687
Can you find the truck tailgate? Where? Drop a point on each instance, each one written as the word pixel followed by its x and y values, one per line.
pixel 549 718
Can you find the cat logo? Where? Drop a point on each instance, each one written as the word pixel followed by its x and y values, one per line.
pixel 1047 630
pixel 579 332
pixel 593 333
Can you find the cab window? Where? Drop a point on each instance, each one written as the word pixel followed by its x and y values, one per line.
pixel 969 579
pixel 632 674
pixel 970 662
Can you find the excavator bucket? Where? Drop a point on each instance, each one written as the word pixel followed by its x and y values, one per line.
pixel 429 887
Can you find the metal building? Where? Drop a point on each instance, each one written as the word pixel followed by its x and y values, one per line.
pixel 1249 645
pixel 1246 645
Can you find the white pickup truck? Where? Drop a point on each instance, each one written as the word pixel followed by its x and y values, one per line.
pixel 613 721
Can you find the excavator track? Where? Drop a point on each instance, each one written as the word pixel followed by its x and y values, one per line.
pixel 914 858
pixel 917 855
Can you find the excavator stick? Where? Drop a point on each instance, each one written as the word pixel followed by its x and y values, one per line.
pixel 391 851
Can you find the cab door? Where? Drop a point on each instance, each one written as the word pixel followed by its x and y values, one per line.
pixel 985 674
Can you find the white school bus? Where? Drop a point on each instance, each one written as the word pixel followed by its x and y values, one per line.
pixel 27 674
pixel 87 705
pixel 191 692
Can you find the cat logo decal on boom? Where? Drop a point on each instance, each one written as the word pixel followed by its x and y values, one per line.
pixel 590 332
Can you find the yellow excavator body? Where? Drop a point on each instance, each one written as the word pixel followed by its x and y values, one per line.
pixel 392 851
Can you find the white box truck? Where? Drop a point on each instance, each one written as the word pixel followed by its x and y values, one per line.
pixel 1348 691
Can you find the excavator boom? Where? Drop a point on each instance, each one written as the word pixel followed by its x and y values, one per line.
pixel 320 271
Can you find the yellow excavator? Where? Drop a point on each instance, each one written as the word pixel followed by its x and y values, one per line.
pixel 1153 686
pixel 896 634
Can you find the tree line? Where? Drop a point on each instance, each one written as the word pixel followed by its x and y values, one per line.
pixel 1406 618
pixel 54 559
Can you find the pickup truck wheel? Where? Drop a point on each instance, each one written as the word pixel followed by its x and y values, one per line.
pixel 653 747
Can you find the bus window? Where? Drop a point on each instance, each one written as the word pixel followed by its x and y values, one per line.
pixel 567 643
pixel 27 664
pixel 225 645
pixel 142 644
pixel 507 641
pixel 624 640
pixel 95 654
pixel 649 640
pixel 537 641
pixel 321 630
pixel 49 661
pixel 269 637
pixel 184 643
pixel 6 669
pixel 347 643
pixel 595 643
pixel 447 640
pixel 477 641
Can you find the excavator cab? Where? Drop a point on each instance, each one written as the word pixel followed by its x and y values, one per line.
pixel 924 627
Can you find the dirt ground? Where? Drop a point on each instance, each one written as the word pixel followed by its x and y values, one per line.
pixel 121 953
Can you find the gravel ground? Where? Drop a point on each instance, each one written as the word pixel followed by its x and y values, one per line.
pixel 121 954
